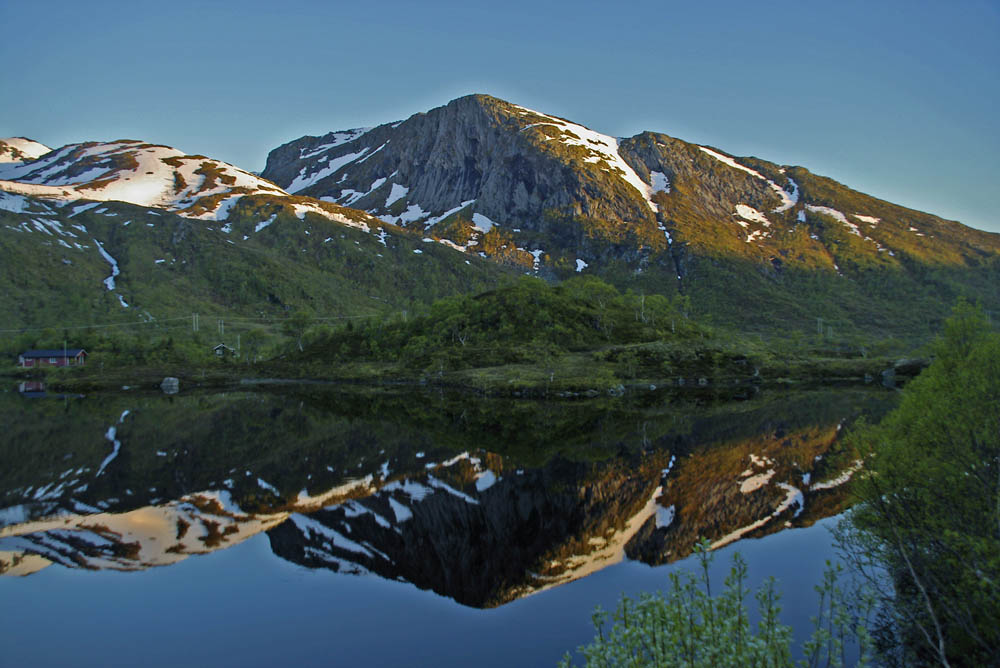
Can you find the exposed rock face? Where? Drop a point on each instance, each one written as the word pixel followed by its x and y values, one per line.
pixel 476 155
pixel 527 188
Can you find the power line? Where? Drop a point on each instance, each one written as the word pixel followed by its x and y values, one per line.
pixel 239 321
pixel 97 326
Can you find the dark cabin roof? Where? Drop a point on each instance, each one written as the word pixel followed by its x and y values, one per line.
pixel 70 352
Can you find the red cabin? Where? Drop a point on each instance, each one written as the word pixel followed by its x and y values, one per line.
pixel 67 357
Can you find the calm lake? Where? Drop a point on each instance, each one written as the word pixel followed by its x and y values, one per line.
pixel 313 525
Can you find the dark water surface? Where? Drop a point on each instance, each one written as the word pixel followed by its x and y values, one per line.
pixel 316 526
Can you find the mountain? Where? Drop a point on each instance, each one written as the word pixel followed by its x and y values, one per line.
pixel 373 220
pixel 20 149
pixel 132 171
pixel 101 230
pixel 651 212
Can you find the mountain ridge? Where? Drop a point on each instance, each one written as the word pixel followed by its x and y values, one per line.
pixel 752 244
pixel 20 149
pixel 651 212
pixel 185 233
pixel 461 175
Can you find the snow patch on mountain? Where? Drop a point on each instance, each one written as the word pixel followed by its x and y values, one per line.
pixel 485 480
pixel 337 139
pixel 661 184
pixel 21 149
pixel 752 214
pixel 13 203
pixel 871 220
pixel 793 496
pixel 609 549
pixel 482 223
pixel 836 215
pixel 211 519
pixel 302 209
pixel 788 199
pixel 415 213
pixel 348 197
pixel 131 171
pixel 601 148
pixel 264 223
pixel 373 152
pixel 221 212
pixel 111 435
pixel 437 219
pixel 109 282
pixel 304 180
pixel 412 214
pixel 395 194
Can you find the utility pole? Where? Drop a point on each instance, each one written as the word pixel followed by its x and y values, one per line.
pixel 222 327
pixel 194 322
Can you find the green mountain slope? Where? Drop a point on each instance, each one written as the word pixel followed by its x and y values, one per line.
pixel 756 245
pixel 267 261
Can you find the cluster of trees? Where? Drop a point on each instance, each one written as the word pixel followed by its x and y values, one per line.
pixel 689 627
pixel 523 321
pixel 923 541
pixel 926 533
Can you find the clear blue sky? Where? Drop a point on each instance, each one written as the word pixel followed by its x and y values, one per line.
pixel 895 98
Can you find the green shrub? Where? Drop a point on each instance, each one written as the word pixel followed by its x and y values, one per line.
pixel 690 627
pixel 927 530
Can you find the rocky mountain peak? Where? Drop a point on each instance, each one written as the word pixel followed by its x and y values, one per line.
pixel 651 211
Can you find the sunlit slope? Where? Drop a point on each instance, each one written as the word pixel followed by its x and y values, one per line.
pixel 654 213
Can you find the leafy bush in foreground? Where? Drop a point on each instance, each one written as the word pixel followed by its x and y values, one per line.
pixel 689 627
pixel 926 533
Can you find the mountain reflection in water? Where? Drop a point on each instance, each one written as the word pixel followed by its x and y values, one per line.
pixel 480 500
